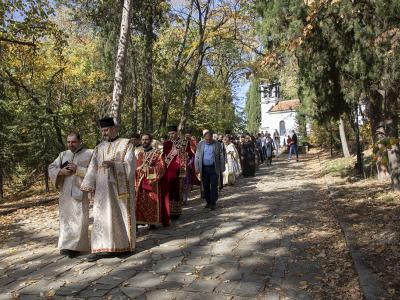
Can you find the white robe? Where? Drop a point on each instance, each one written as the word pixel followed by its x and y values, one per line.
pixel 232 165
pixel 73 203
pixel 114 225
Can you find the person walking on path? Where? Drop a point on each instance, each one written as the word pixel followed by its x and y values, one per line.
pixel 232 163
pixel 259 147
pixel 221 176
pixel 67 173
pixel 177 154
pixel 277 143
pixel 247 156
pixel 293 146
pixel 210 163
pixel 191 178
pixel 152 205
pixel 269 145
pixel 111 176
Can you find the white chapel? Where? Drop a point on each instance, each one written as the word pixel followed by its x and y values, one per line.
pixel 277 113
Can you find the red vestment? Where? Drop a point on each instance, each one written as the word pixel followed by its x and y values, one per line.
pixel 152 205
pixel 177 155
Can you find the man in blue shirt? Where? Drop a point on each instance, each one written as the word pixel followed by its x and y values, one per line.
pixel 209 161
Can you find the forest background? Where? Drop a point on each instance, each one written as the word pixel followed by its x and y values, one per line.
pixel 185 62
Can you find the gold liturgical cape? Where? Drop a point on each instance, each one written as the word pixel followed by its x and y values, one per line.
pixel 73 204
pixel 114 226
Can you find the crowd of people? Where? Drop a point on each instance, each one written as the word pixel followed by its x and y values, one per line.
pixel 143 181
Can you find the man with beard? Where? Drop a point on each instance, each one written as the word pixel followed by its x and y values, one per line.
pixel 152 207
pixel 110 177
pixel 177 155
pixel 67 173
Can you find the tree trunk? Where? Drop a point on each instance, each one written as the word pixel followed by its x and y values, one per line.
pixel 164 112
pixel 343 139
pixel 46 177
pixel 116 103
pixel 331 139
pixel 176 71
pixel 135 99
pixel 190 89
pixel 360 162
pixel 190 93
pixel 391 124
pixel 378 133
pixel 148 70
pixel 1 185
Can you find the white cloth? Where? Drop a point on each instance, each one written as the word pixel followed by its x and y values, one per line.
pixel 114 221
pixel 232 165
pixel 73 203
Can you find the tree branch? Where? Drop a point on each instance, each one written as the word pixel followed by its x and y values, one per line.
pixel 12 41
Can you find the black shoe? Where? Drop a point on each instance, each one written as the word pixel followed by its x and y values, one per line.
pixel 93 257
pixel 73 253
pixel 207 205
pixel 213 206
pixel 64 252
pixel 96 256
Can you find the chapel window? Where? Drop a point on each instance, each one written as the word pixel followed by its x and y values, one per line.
pixel 282 128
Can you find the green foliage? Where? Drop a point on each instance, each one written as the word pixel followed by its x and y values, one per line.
pixel 57 61
pixel 340 166
pixel 253 107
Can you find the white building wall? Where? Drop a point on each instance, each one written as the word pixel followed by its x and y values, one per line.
pixel 271 121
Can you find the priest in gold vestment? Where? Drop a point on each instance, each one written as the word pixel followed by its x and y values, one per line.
pixel 110 176
pixel 67 173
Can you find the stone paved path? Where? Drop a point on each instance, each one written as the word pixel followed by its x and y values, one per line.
pixel 273 237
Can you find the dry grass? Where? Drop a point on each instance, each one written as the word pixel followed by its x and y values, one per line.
pixel 372 210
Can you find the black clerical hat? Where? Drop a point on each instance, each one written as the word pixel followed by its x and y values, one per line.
pixel 172 128
pixel 106 122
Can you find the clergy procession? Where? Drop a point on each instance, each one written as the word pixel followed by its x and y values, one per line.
pixel 140 181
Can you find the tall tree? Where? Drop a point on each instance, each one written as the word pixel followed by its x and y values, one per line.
pixel 253 107
pixel 345 147
pixel 123 43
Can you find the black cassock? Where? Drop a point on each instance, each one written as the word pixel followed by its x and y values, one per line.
pixel 247 152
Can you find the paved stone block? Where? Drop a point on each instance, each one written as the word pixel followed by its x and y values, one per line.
pixel 70 290
pixel 227 287
pixel 93 291
pixel 160 295
pixel 199 261
pixel 4 280
pixel 166 265
pixel 202 285
pixel 132 292
pixel 269 295
pixel 248 288
pixel 146 280
pixel 184 278
pixel 42 286
pixel 233 275
pixel 183 268
pixel 212 271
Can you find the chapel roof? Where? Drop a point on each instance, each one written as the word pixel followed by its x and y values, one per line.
pixel 285 105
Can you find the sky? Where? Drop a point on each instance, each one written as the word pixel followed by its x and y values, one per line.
pixel 240 97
